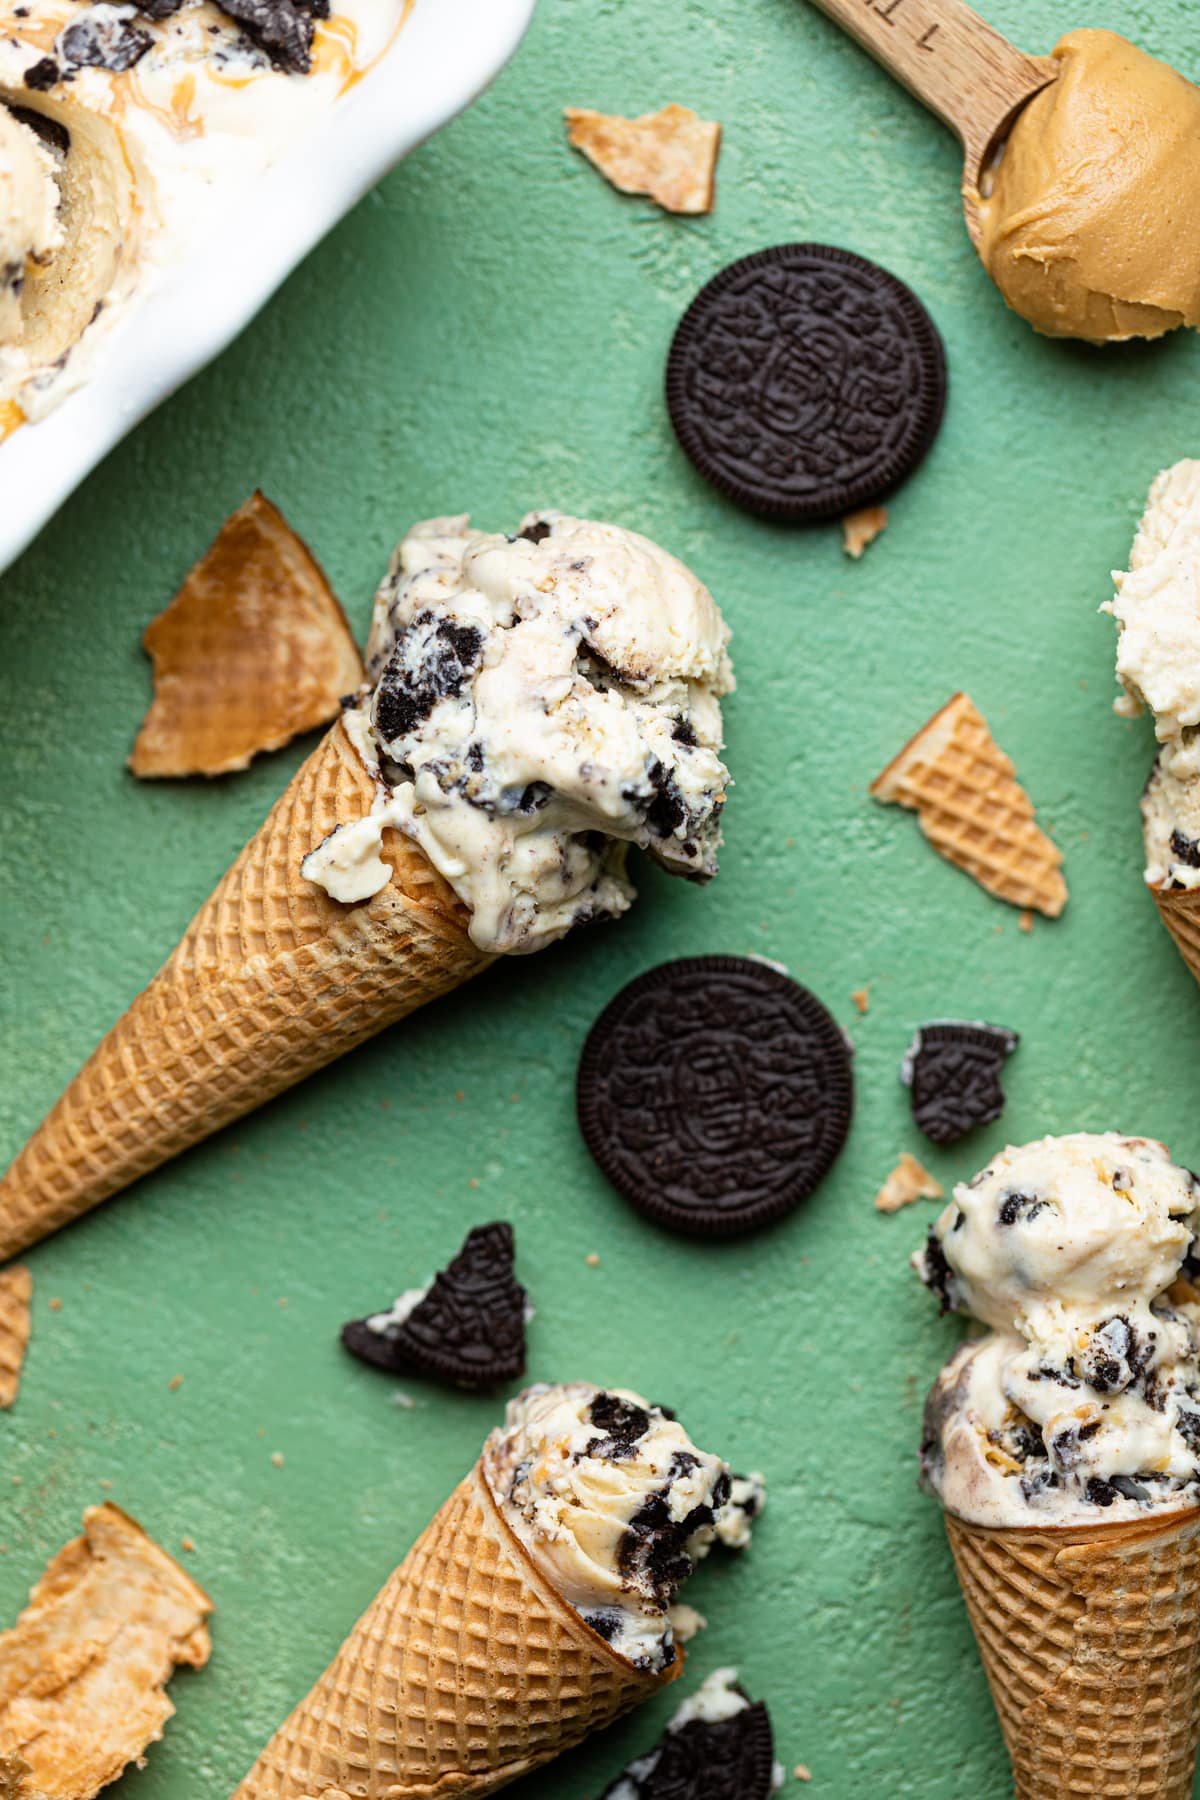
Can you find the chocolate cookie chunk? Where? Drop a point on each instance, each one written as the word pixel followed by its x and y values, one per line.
pixel 805 382
pixel 953 1069
pixel 102 40
pixel 715 1094
pixel 726 1759
pixel 468 1329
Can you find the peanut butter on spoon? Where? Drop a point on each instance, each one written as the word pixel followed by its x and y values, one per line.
pixel 1081 177
pixel 1092 226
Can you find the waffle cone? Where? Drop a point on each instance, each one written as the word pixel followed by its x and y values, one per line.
pixel 1179 910
pixel 973 810
pixel 271 981
pixel 466 1671
pixel 1090 1637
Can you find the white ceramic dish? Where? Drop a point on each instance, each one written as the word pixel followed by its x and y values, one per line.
pixel 446 54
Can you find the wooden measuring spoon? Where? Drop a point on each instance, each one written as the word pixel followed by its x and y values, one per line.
pixel 958 65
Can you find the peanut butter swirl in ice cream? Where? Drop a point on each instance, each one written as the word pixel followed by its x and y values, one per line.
pixel 1083 1400
pixel 615 1505
pixel 1092 226
pixel 537 703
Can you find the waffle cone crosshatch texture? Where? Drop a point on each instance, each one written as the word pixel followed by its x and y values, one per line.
pixel 240 1115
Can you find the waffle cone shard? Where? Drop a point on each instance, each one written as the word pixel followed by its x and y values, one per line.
pixel 466 1672
pixel 271 981
pixel 16 1292
pixel 1179 910
pixel 1091 1642
pixel 973 810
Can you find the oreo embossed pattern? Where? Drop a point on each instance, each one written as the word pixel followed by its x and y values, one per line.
pixel 805 381
pixel 715 1094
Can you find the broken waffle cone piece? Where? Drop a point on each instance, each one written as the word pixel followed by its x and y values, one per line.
pixel 467 1671
pixel 1088 1635
pixel 973 810
pixel 271 981
pixel 670 155
pixel 16 1291
pixel 910 1180
pixel 1179 910
pixel 253 650
pixel 83 1672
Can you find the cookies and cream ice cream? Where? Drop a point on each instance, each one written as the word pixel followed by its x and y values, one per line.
pixel 1157 610
pixel 1082 1402
pixel 537 704
pixel 614 1504
pixel 125 133
pixel 1091 228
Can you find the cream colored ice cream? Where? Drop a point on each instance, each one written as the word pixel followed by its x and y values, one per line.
pixel 160 116
pixel 29 226
pixel 1083 1400
pixel 1092 225
pixel 615 1505
pixel 537 704
pixel 1157 610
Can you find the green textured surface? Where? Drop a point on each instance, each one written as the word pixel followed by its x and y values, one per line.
pixel 487 330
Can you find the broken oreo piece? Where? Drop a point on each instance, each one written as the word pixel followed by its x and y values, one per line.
pixel 805 382
pixel 723 1759
pixel 715 1093
pixel 281 28
pixel 467 1329
pixel 42 75
pixel 953 1068
pixel 103 38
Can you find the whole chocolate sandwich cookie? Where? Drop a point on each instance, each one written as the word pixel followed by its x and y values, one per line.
pixel 805 381
pixel 715 1093
pixel 466 1328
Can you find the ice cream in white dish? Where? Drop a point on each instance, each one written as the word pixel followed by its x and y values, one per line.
pixel 1082 1403
pixel 150 119
pixel 1157 609
pixel 615 1505
pixel 536 704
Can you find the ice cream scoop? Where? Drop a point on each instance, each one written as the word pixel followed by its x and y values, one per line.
pixel 536 704
pixel 1157 610
pixel 29 227
pixel 1081 169
pixel 615 1505
pixel 1084 1399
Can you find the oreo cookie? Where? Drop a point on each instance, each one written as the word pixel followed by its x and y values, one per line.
pixel 953 1068
pixel 715 1093
pixel 805 382
pixel 467 1329
pixel 726 1759
pixel 102 39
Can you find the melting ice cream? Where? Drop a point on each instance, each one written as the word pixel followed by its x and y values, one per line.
pixel 616 1505
pixel 537 704
pixel 1083 1399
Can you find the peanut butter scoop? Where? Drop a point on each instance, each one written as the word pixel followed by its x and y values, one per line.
pixel 1092 226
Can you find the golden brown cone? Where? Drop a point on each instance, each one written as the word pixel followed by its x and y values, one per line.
pixel 253 649
pixel 466 1671
pixel 1179 910
pixel 271 981
pixel 973 810
pixel 1090 1637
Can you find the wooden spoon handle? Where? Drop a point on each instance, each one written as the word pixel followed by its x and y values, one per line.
pixel 962 69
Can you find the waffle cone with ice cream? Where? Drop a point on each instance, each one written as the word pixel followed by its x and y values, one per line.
pixel 476 1663
pixel 525 690
pixel 1179 910
pixel 1064 1448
